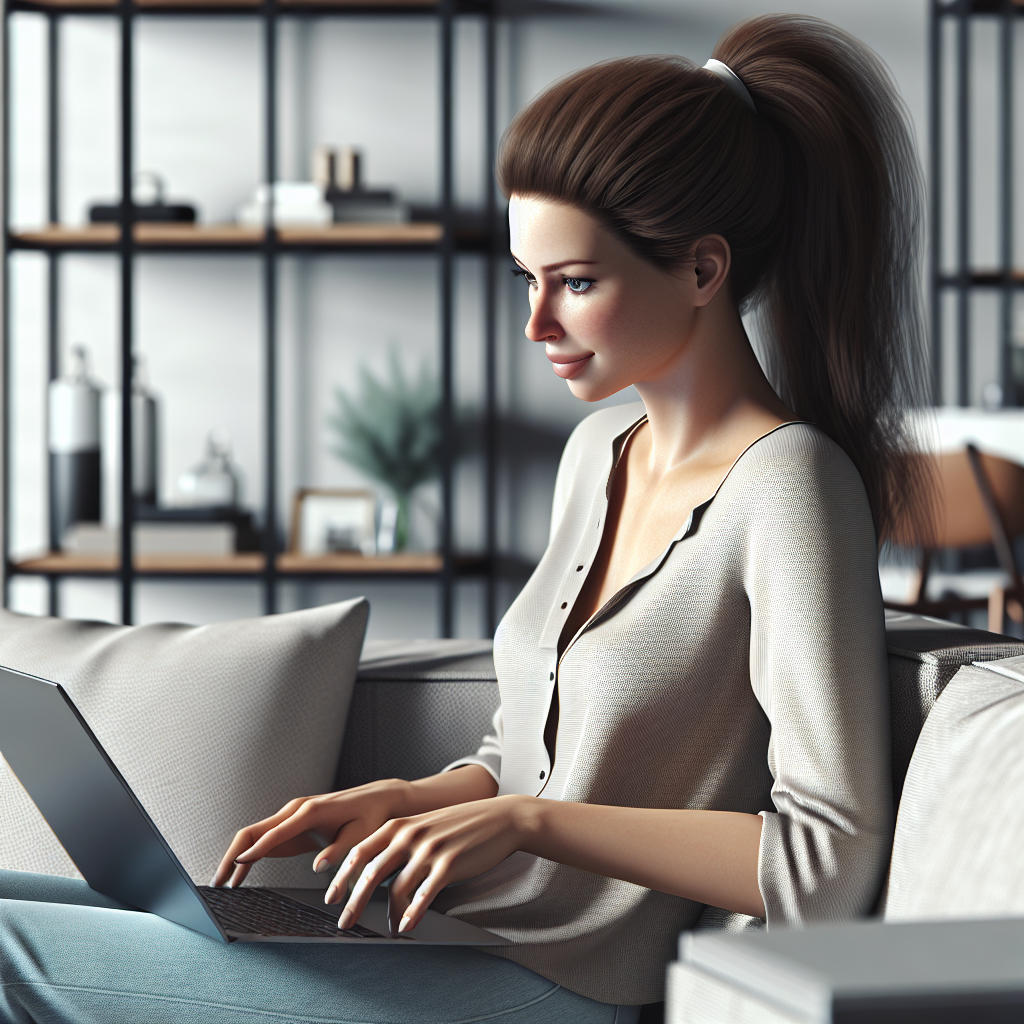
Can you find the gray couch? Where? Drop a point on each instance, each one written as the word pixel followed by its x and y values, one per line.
pixel 268 701
pixel 419 705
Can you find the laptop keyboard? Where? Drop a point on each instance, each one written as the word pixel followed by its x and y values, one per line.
pixel 254 911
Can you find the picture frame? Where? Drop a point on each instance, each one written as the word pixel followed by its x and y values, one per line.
pixel 329 521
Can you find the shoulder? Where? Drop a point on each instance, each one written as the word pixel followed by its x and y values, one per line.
pixel 794 456
pixel 797 477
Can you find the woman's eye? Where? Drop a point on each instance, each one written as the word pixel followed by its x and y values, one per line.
pixel 521 272
pixel 577 285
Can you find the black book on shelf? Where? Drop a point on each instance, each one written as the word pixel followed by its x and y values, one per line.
pixel 162 213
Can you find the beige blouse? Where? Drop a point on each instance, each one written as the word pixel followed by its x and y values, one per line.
pixel 744 669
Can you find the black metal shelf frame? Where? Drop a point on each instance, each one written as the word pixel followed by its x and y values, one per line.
pixel 966 278
pixel 270 249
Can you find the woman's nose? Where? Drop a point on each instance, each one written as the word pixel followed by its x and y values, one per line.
pixel 543 325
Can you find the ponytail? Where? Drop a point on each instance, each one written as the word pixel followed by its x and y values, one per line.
pixel 818 193
pixel 839 304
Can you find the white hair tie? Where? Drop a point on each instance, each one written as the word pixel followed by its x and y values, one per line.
pixel 731 79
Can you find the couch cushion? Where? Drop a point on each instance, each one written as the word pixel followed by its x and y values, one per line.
pixel 924 654
pixel 214 727
pixel 960 828
pixel 418 705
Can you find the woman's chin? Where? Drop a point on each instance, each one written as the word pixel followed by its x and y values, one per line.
pixel 592 390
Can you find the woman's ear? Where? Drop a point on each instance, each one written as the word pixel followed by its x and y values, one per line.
pixel 712 260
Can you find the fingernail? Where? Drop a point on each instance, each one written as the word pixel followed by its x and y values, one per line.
pixel 405 924
pixel 321 866
pixel 346 918
pixel 329 895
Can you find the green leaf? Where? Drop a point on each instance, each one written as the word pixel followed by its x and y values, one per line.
pixel 391 429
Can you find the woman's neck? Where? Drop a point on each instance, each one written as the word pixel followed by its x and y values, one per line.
pixel 712 398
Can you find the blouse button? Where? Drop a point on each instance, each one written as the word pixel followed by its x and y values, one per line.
pixel 565 604
pixel 579 568
pixel 542 775
pixel 551 675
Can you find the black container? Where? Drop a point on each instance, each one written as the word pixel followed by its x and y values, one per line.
pixel 74 448
pixel 74 492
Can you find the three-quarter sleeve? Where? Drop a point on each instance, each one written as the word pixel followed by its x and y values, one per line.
pixel 818 668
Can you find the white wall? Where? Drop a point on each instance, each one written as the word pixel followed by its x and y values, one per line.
pixel 365 81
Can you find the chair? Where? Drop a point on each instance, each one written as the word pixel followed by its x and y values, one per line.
pixel 979 500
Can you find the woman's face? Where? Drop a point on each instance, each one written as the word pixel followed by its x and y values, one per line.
pixel 607 318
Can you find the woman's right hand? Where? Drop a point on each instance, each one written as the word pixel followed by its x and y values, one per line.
pixel 335 822
pixel 332 823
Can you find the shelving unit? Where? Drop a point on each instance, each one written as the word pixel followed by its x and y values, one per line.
pixel 59 237
pixel 440 237
pixel 966 278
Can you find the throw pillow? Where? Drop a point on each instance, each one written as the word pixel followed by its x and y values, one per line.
pixel 960 826
pixel 213 727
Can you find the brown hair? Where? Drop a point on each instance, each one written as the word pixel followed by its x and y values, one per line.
pixel 817 193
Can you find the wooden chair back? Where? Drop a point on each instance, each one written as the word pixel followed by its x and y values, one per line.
pixel 961 518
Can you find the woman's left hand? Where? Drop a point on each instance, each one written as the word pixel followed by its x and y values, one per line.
pixel 429 851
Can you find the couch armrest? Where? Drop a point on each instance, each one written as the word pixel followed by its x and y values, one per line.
pixel 924 654
pixel 417 706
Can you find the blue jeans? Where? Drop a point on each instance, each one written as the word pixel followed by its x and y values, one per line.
pixel 70 955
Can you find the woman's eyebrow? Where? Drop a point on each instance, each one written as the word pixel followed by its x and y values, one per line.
pixel 556 266
pixel 568 263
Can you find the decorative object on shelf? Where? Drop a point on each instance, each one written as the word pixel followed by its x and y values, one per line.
pixel 295 203
pixel 145 445
pixel 392 433
pixel 246 536
pixel 388 526
pixel 148 202
pixel 338 175
pixel 330 521
pixel 216 480
pixel 74 448
pixel 154 538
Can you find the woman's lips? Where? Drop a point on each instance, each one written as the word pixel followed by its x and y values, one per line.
pixel 568 367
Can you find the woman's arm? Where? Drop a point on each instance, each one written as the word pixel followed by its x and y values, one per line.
pixel 335 822
pixel 707 856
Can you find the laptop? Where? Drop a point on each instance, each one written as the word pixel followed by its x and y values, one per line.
pixel 121 853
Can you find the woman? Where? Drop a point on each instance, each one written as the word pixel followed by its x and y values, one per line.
pixel 694 690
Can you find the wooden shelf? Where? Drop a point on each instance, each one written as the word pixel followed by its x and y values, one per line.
pixel 425 563
pixel 369 6
pixel 213 236
pixel 53 235
pixel 354 233
pixel 148 233
pixel 198 4
pixel 425 4
pixel 57 563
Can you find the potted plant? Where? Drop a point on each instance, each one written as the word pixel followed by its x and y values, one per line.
pixel 391 431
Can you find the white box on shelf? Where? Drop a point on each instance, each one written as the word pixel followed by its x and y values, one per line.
pixel 153 539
